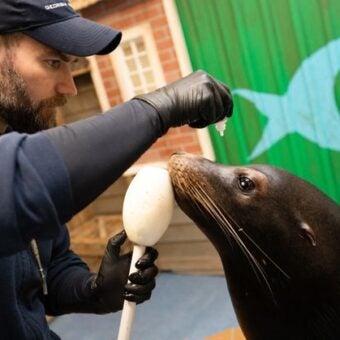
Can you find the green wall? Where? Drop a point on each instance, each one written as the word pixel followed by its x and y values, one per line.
pixel 281 59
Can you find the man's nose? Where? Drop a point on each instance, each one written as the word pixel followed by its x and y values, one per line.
pixel 66 86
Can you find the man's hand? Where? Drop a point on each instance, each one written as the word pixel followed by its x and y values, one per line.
pixel 197 100
pixel 109 287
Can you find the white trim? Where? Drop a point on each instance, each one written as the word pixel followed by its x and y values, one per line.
pixel 99 84
pixel 177 36
pixel 118 60
pixel 122 74
pixel 185 67
pixel 206 144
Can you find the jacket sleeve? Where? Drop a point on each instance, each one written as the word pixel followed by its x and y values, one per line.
pixel 98 150
pixel 32 199
pixel 67 276
pixel 47 177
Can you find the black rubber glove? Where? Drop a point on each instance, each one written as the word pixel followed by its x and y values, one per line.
pixel 109 287
pixel 197 100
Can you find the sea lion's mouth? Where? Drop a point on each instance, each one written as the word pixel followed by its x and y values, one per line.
pixel 190 185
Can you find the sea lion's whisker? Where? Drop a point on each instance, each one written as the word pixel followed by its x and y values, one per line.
pixel 255 264
pixel 209 204
pixel 252 259
pixel 240 229
pixel 198 194
pixel 265 254
pixel 208 208
pixel 216 212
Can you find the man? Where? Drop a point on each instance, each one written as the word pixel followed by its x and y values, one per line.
pixel 49 174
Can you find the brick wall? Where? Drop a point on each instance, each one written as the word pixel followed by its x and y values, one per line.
pixel 126 14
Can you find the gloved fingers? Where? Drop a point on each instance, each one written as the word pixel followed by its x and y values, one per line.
pixel 147 260
pixel 137 298
pixel 204 109
pixel 142 277
pixel 115 242
pixel 140 289
pixel 226 100
pixel 220 101
pixel 216 103
pixel 204 103
pixel 118 239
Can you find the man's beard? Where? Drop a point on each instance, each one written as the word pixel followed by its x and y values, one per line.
pixel 17 108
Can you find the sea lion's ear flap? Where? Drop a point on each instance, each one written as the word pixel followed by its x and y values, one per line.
pixel 308 232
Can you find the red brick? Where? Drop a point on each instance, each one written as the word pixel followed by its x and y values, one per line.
pixel 195 149
pixel 103 62
pixel 150 156
pixel 170 66
pixel 108 83
pixel 172 132
pixel 124 22
pixel 186 128
pixel 166 153
pixel 115 101
pixel 159 22
pixel 160 143
pixel 161 33
pixel 172 76
pixel 164 44
pixel 181 140
pixel 167 55
pixel 113 93
pixel 107 73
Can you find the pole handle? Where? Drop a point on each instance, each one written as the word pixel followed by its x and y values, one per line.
pixel 128 312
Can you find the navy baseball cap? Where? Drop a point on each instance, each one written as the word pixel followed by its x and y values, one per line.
pixel 56 24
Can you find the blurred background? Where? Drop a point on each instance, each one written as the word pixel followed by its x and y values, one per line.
pixel 281 59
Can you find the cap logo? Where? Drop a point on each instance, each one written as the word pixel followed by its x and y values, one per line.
pixel 56 5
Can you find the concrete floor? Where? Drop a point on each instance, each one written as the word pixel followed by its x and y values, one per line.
pixel 182 307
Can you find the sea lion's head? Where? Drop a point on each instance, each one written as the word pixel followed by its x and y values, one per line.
pixel 270 228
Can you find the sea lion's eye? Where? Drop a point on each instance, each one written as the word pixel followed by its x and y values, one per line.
pixel 245 183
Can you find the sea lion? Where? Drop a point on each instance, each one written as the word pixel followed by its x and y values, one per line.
pixel 279 241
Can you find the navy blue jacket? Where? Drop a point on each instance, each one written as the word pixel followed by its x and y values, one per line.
pixel 41 188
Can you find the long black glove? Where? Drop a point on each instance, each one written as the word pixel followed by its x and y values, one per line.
pixel 197 100
pixel 102 148
pixel 109 287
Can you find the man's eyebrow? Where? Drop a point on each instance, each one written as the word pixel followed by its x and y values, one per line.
pixel 67 58
pixel 63 56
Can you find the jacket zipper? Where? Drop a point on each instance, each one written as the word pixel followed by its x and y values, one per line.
pixel 36 254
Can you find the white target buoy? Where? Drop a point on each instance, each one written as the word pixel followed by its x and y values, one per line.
pixel 147 212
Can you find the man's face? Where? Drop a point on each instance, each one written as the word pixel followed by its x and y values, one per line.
pixel 34 80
